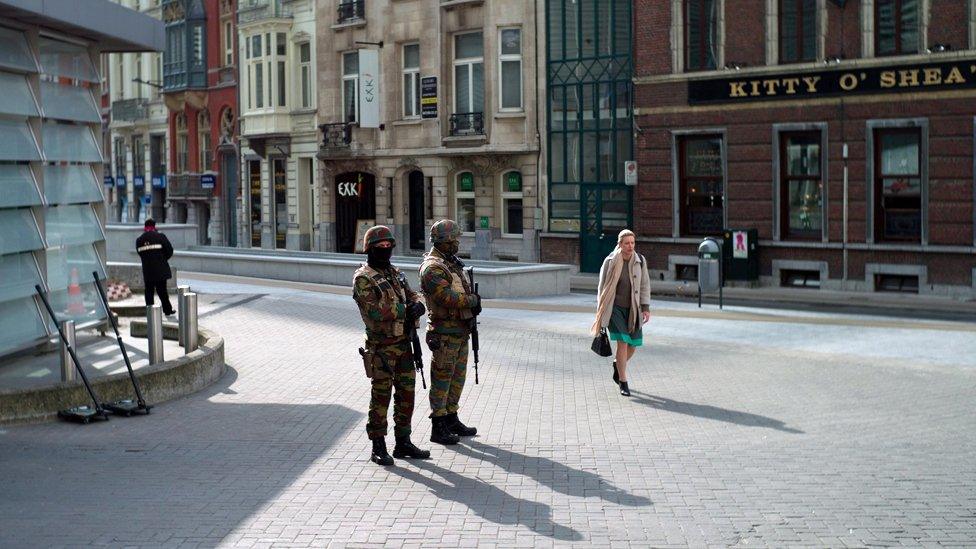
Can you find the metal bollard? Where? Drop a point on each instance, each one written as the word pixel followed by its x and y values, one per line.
pixel 68 371
pixel 190 342
pixel 181 316
pixel 154 332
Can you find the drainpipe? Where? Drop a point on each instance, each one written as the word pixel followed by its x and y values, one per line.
pixel 540 103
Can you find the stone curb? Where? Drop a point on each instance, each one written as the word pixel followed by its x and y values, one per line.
pixel 162 382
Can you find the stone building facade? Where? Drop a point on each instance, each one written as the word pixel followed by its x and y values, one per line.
pixel 429 110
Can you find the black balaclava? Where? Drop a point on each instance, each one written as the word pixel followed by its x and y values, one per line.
pixel 379 258
pixel 448 248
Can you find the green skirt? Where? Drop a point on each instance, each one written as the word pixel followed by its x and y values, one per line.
pixel 618 327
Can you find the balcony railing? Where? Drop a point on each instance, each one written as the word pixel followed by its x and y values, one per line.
pixel 130 110
pixel 186 186
pixel 336 136
pixel 351 10
pixel 468 123
pixel 258 10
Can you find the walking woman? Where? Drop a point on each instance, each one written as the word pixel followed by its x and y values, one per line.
pixel 624 302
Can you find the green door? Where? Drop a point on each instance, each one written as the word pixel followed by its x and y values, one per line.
pixel 605 211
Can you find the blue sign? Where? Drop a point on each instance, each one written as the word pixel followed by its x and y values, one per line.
pixel 120 181
pixel 139 182
pixel 147 199
pixel 207 181
pixel 109 181
pixel 159 181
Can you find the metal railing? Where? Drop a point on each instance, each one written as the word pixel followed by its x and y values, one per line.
pixel 351 10
pixel 468 123
pixel 186 186
pixel 336 136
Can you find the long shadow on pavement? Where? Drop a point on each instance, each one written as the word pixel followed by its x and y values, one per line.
pixel 557 476
pixel 193 471
pixel 489 502
pixel 711 412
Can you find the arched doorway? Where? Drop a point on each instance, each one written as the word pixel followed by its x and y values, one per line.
pixel 355 198
pixel 415 186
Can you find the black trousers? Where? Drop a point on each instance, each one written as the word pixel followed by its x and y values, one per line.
pixel 159 288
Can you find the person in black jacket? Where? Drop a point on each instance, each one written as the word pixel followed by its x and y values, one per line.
pixel 154 251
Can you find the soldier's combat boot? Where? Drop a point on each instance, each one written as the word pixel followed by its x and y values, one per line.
pixel 455 426
pixel 380 456
pixel 440 433
pixel 406 449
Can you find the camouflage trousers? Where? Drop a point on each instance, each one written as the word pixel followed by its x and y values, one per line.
pixel 448 369
pixel 399 358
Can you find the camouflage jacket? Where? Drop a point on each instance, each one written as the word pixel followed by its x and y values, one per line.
pixel 382 296
pixel 447 289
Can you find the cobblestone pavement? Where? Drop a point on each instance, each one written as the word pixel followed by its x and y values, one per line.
pixel 740 433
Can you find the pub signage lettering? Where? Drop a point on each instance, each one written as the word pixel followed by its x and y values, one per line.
pixel 897 79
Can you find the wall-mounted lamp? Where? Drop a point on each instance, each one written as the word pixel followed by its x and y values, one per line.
pixel 147 82
pixel 380 43
pixel 734 66
pixel 832 60
pixel 939 48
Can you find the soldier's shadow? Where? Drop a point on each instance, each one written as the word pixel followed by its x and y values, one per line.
pixel 556 476
pixel 711 412
pixel 489 502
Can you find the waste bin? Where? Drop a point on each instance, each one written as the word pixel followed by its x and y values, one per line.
pixel 709 274
pixel 740 253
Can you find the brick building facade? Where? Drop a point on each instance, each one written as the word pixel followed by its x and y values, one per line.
pixel 749 113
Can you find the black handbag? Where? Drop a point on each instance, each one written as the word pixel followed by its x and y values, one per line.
pixel 601 344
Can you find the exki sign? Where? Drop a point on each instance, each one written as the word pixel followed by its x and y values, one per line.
pixel 897 79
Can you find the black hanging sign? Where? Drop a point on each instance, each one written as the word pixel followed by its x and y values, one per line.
pixel 428 97
pixel 852 81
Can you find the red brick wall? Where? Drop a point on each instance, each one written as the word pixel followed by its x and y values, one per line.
pixel 843 30
pixel 652 37
pixel 947 24
pixel 745 30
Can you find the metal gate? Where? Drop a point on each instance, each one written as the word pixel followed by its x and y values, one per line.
pixel 604 212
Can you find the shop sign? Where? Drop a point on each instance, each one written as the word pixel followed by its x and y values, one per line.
pixel 514 181
pixel 369 88
pixel 484 222
pixel 207 181
pixel 120 181
pixel 894 79
pixel 428 97
pixel 159 181
pixel 630 172
pixel 466 183
pixel 139 182
pixel 108 181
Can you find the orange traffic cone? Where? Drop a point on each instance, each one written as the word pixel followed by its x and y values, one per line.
pixel 76 306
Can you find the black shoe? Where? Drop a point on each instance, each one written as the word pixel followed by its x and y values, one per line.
pixel 405 449
pixel 440 433
pixel 380 456
pixel 624 389
pixel 616 376
pixel 455 426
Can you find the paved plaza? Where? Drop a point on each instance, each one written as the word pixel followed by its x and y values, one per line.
pixel 747 428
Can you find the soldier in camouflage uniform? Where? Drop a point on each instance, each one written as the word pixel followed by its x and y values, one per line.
pixel 386 304
pixel 452 305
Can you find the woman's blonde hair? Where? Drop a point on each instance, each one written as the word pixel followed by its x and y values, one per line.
pixel 625 233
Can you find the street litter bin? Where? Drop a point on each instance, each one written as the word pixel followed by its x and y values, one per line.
pixel 741 254
pixel 709 269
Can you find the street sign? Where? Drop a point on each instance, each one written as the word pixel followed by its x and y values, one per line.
pixel 120 181
pixel 159 181
pixel 428 97
pixel 207 181
pixel 139 182
pixel 109 181
pixel 630 173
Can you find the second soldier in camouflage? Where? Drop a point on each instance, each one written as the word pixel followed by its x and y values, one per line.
pixel 452 305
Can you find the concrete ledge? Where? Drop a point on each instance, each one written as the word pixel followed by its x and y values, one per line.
pixel 131 274
pixel 496 279
pixel 171 379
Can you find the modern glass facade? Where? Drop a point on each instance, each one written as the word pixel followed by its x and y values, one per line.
pixel 590 113
pixel 50 197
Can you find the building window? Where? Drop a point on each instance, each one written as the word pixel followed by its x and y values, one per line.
pixel 351 10
pixel 157 74
pixel 137 74
pixel 119 157
pixel 797 30
pixel 203 131
pixel 512 203
pixel 469 77
pixel 411 81
pixel 255 73
pixel 896 24
pixel 898 184
pixel 350 86
pixel 182 145
pixel 510 69
pixel 801 185
pixel 120 71
pixel 464 201
pixel 701 34
pixel 228 43
pixel 701 185
pixel 281 52
pixel 305 70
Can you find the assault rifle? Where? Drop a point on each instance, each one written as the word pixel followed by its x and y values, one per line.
pixel 474 326
pixel 411 325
